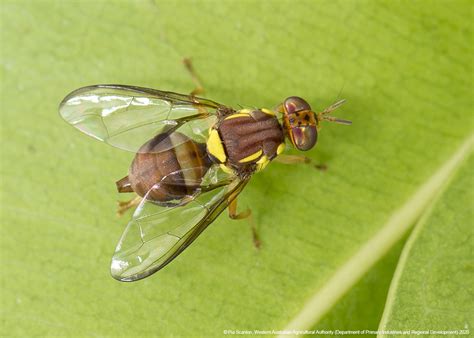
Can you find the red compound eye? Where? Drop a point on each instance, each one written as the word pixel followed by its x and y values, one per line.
pixel 304 138
pixel 295 104
pixel 299 124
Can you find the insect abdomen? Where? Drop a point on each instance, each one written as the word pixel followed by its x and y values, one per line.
pixel 173 165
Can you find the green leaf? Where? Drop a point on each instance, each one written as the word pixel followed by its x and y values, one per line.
pixel 405 69
pixel 392 231
pixel 432 286
pixel 362 307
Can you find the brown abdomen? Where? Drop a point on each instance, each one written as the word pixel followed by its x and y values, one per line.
pixel 173 165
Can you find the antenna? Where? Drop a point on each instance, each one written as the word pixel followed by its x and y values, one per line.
pixel 331 108
pixel 337 120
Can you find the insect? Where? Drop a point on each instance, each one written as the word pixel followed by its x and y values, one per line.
pixel 193 157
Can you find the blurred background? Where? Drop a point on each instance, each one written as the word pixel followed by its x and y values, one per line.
pixel 405 68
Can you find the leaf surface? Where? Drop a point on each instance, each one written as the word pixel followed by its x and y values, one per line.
pixel 432 286
pixel 405 69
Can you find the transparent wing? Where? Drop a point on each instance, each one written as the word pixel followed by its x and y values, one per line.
pixel 157 234
pixel 127 116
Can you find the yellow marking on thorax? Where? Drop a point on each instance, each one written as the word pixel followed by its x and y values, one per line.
pixel 245 111
pixel 252 157
pixel 241 113
pixel 215 147
pixel 281 148
pixel 268 111
pixel 226 169
pixel 262 163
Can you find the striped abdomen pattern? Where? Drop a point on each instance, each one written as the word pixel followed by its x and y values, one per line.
pixel 173 165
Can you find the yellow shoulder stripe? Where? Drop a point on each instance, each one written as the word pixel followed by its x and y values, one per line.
pixel 268 111
pixel 215 147
pixel 242 113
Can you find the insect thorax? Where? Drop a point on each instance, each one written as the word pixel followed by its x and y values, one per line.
pixel 246 141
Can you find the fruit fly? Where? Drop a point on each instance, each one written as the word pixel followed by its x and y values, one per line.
pixel 193 156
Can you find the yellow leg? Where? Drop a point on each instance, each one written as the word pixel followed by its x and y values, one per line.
pixel 295 159
pixel 123 206
pixel 245 214
pixel 199 87
pixel 292 159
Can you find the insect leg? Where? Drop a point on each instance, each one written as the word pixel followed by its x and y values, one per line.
pixel 123 206
pixel 199 87
pixel 294 159
pixel 245 214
